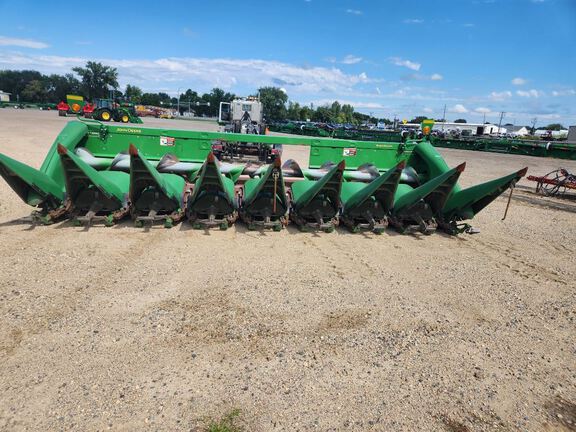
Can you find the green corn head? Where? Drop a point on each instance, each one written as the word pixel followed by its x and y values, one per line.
pixel 96 172
pixel 154 196
pixel 265 203
pixel 212 202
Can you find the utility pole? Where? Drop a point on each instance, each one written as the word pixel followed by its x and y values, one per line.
pixel 484 121
pixel 500 122
pixel 534 120
pixel 444 118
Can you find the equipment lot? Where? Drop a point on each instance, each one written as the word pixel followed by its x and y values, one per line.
pixel 130 329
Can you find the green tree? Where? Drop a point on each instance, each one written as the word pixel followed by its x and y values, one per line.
pixel 274 103
pixel 335 110
pixel 552 127
pixel 322 114
pixel 14 82
pixel 165 99
pixel 360 118
pixel 418 119
pixel 34 92
pixel 133 94
pixel 306 113
pixel 97 79
pixel 460 121
pixel 190 97
pixel 347 114
pixel 150 99
pixel 294 110
pixel 58 86
pixel 209 103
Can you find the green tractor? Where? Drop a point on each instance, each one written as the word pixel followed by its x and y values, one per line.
pixel 108 109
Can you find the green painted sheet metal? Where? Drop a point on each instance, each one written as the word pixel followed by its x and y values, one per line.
pixel 381 189
pixel 114 185
pixel 255 186
pixel 465 204
pixel 265 196
pixel 407 197
pixel 149 188
pixel 194 146
pixel 73 135
pixel 32 186
pixel 211 182
pixel 357 153
pixel 305 191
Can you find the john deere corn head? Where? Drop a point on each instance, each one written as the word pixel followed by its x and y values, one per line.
pixel 103 173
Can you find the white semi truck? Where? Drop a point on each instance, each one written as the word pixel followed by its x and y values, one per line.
pixel 244 116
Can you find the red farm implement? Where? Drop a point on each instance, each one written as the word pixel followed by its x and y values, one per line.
pixel 555 183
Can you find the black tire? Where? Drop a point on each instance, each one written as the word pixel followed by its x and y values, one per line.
pixel 104 114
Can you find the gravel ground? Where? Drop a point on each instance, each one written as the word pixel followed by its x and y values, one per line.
pixel 123 329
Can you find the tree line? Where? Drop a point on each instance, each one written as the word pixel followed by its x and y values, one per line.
pixel 96 80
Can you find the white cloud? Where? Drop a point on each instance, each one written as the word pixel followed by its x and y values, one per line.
pixel 482 110
pixel 405 63
pixel 529 93
pixel 351 59
pixel 469 25
pixel 500 96
pixel 428 110
pixel 23 43
pixel 569 92
pixel 459 108
pixel 202 72
pixel 421 77
pixel 413 21
pixel 519 81
pixel 378 90
pixel 354 11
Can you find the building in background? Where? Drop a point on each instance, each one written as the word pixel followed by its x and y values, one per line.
pixel 572 133
pixel 4 97
pixel 517 130
pixel 469 128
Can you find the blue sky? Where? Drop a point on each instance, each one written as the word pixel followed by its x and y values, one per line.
pixel 477 57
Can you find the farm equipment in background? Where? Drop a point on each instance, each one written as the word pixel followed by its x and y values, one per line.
pixel 555 183
pixel 74 105
pixel 244 116
pixel 108 109
pixel 527 147
pixel 555 149
pixel 341 131
pixel 63 108
pixel 97 172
